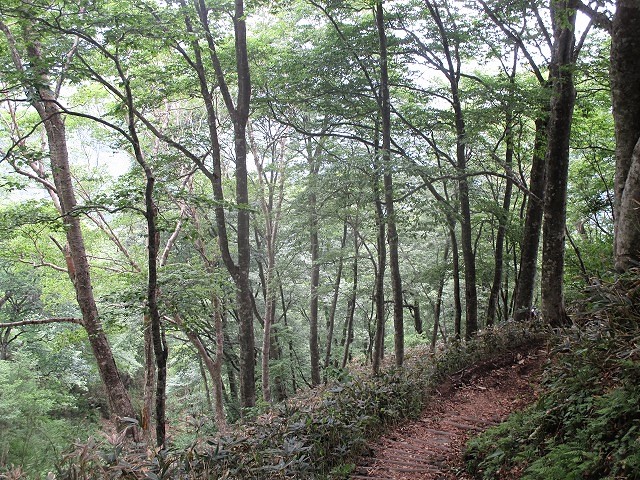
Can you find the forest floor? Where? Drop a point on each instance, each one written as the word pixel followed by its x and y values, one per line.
pixel 469 402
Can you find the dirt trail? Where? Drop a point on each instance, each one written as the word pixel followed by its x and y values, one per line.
pixel 469 402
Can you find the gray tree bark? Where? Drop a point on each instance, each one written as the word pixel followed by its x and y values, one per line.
pixel 385 152
pixel 532 227
pixel 625 94
pixel 557 162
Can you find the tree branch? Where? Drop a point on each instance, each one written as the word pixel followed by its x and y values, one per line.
pixel 600 19
pixel 43 321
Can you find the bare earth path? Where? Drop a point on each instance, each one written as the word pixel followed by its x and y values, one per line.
pixel 471 401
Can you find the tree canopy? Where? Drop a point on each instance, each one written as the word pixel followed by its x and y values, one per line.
pixel 210 206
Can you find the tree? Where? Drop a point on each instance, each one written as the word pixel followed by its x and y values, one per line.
pixel 514 26
pixel 238 110
pixel 313 156
pixel 449 38
pixel 525 286
pixel 31 66
pixel 271 178
pixel 390 218
pixel 20 297
pixel 557 161
pixel 331 318
pixel 348 336
pixel 625 76
pixel 378 295
pixel 161 27
pixel 503 215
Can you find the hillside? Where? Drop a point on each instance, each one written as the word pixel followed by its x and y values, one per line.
pixel 318 435
pixel 576 395
pixel 244 239
pixel 586 423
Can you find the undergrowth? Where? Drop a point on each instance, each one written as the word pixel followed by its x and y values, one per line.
pixel 308 438
pixel 586 423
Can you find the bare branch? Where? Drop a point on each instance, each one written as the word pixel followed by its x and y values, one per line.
pixel 102 223
pixel 21 140
pixel 600 19
pixel 65 66
pixel 43 321
pixel 583 37
pixel 44 182
pixel 43 264
pixel 515 37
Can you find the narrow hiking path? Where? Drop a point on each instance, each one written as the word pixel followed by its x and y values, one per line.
pixel 469 402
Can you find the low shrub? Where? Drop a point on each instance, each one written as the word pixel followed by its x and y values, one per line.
pixel 586 424
pixel 316 436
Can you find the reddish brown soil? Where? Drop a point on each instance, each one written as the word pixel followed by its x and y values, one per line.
pixel 469 402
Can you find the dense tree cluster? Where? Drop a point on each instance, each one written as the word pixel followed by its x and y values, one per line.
pixel 229 202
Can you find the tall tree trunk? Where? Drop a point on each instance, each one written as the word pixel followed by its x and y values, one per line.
pixel 625 78
pixel 205 381
pixel 523 299
pixel 502 227
pixel 371 325
pixel 468 255
pixel 4 343
pixel 314 247
pixel 214 369
pixel 392 233
pixel 279 380
pixel 417 318
pixel 266 347
pixel 451 68
pixel 153 244
pixel 271 197
pixel 351 307
pixel 214 366
pixel 244 293
pixel 239 113
pixel 526 277
pixel 378 342
pixel 44 101
pixel 294 385
pixel 146 418
pixel 334 301
pixel 234 394
pixel 437 310
pixel 153 249
pixel 457 303
pixel 557 160
pixel 313 156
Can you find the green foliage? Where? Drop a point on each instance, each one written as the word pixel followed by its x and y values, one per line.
pixel 29 217
pixel 317 435
pixel 585 425
pixel 38 418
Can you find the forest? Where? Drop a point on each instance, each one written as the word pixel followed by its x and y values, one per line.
pixel 215 213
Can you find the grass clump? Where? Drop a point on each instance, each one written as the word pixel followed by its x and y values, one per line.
pixel 586 423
